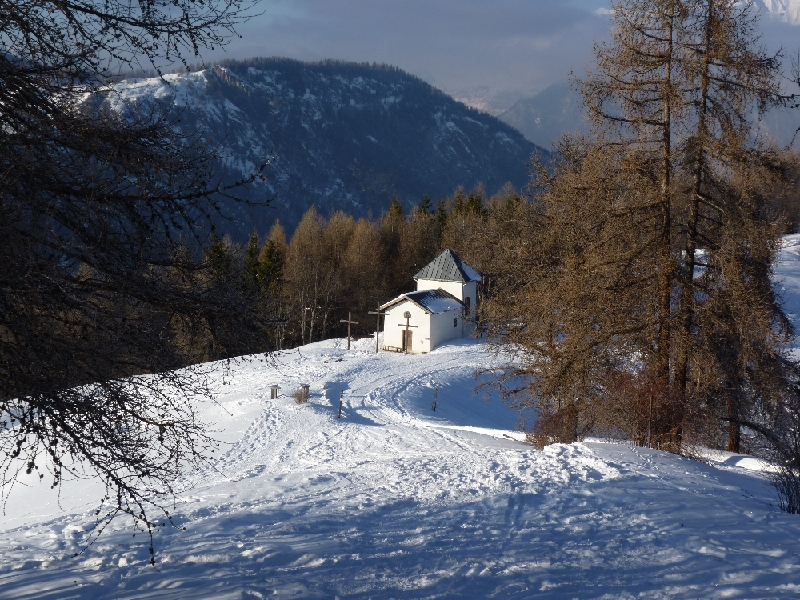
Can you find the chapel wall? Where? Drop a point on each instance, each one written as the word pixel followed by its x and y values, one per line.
pixel 443 328
pixel 394 324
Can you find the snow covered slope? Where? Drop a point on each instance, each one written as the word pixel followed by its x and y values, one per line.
pixel 395 500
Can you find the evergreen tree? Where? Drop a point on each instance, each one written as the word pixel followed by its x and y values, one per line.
pixel 425 207
pixel 441 220
pixel 218 257
pixel 272 257
pixel 271 261
pixel 251 264
pixel 392 230
pixel 459 202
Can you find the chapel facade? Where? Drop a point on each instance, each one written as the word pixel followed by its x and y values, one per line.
pixel 442 308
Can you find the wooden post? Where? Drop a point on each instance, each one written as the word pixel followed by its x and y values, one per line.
pixel 349 321
pixel 341 401
pixel 377 325
pixel 407 315
pixel 435 398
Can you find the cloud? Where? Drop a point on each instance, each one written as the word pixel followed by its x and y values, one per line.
pixel 504 44
pixel 457 45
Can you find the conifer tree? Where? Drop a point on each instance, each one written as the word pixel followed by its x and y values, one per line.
pixel 308 276
pixel 365 275
pixel 271 261
pixel 466 224
pixel 392 230
pixel 425 206
pixel 418 246
pixel 611 278
pixel 441 219
pixel 251 265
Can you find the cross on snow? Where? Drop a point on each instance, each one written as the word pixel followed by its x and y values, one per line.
pixel 349 321
pixel 378 312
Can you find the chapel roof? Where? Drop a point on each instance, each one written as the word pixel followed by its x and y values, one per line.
pixel 448 267
pixel 432 301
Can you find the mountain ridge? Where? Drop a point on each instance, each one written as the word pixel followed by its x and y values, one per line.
pixel 558 109
pixel 340 136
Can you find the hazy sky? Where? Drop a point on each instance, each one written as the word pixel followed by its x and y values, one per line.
pixel 503 45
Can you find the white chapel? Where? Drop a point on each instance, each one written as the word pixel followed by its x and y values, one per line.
pixel 441 309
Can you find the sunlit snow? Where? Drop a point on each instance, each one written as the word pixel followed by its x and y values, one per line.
pixel 396 500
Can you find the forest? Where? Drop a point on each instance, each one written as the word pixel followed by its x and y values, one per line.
pixel 331 267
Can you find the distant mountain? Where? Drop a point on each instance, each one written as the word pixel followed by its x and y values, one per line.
pixel 558 109
pixel 781 125
pixel 544 118
pixel 787 10
pixel 487 99
pixel 341 136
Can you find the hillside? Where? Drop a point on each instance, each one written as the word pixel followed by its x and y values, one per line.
pixel 340 136
pixel 395 500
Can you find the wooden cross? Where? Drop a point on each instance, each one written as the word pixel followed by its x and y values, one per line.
pixel 407 315
pixel 377 326
pixel 349 321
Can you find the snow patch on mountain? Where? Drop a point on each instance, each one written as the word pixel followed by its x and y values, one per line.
pixel 786 10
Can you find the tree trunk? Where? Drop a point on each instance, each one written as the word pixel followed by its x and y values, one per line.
pixel 671 421
pixel 734 429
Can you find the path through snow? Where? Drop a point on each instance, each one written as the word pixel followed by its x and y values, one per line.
pixel 397 501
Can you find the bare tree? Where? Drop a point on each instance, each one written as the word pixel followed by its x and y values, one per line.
pixel 99 294
pixel 309 280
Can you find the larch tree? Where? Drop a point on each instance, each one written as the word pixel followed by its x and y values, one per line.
pixel 467 218
pixel 418 245
pixel 338 236
pixel 636 102
pixel 313 262
pixel 730 176
pixel 363 272
pixel 643 284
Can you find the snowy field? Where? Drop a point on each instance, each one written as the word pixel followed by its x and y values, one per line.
pixel 395 500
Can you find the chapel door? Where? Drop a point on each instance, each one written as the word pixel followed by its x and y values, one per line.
pixel 407 340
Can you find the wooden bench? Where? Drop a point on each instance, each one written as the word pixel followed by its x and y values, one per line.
pixel 392 349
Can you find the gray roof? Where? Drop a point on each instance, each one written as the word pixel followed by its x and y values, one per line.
pixel 448 267
pixel 432 301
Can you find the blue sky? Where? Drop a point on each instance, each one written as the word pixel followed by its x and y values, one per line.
pixel 497 45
